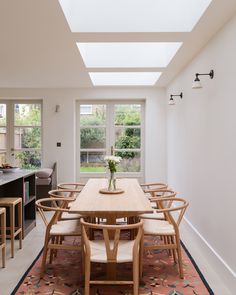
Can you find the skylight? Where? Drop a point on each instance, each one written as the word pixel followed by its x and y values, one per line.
pixel 133 15
pixel 124 78
pixel 129 55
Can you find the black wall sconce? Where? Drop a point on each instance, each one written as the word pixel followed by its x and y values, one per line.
pixel 197 83
pixel 171 101
pixel 57 108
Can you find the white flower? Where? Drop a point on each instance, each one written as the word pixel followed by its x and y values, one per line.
pixel 113 159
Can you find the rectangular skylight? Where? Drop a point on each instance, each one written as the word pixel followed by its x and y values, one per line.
pixel 133 15
pixel 124 78
pixel 129 55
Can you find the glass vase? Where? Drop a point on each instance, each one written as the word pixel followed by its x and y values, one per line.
pixel 112 182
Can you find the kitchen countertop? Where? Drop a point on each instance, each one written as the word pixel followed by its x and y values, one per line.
pixel 11 176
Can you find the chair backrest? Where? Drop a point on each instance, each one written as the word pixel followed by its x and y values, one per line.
pixel 111 236
pixel 57 205
pixel 173 212
pixel 160 193
pixel 63 193
pixel 75 186
pixel 163 193
pixel 156 185
pixel 69 194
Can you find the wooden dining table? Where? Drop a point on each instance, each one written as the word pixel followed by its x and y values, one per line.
pixel 92 203
pixel 132 202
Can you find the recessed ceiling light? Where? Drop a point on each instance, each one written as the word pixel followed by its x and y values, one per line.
pixel 124 78
pixel 128 55
pixel 133 15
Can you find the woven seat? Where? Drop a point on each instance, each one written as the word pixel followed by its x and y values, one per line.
pixel 153 215
pixel 158 227
pixel 66 228
pixel 70 216
pixel 124 253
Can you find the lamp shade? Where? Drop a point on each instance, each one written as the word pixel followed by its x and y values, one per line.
pixel 171 102
pixel 196 84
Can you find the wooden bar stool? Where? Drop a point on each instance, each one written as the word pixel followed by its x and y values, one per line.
pixel 13 204
pixel 3 234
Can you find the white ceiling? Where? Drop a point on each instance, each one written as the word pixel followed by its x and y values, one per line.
pixel 38 49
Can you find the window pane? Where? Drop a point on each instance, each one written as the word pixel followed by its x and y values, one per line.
pixel 92 162
pixel 129 114
pixel 130 161
pixel 27 137
pixel 128 138
pixel 92 138
pixel 2 115
pixel 2 158
pixel 28 159
pixel 96 116
pixel 27 114
pixel 3 138
pixel 86 109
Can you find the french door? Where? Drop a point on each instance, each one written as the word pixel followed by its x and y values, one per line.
pixel 20 133
pixel 105 128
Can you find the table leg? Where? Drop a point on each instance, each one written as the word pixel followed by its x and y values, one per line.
pixel 111 220
pixel 111 271
pixel 111 267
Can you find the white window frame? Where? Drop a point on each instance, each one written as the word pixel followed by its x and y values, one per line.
pixel 111 135
pixel 10 128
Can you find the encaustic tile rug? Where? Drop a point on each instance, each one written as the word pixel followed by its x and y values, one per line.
pixel 160 277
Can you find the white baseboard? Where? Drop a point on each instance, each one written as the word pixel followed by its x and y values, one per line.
pixel 219 275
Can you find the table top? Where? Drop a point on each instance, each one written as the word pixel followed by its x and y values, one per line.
pixel 131 202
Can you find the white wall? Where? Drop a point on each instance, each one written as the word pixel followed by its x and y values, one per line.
pixel 201 153
pixel 60 127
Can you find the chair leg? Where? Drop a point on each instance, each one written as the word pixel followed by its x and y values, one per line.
pixel 141 249
pixel 12 229
pixel 20 223
pixel 4 257
pixel 173 250
pixel 82 257
pixel 57 241
pixel 169 242
pixel 45 251
pixel 87 276
pixel 166 242
pixel 181 272
pixel 135 275
pixel 3 235
pixel 52 251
